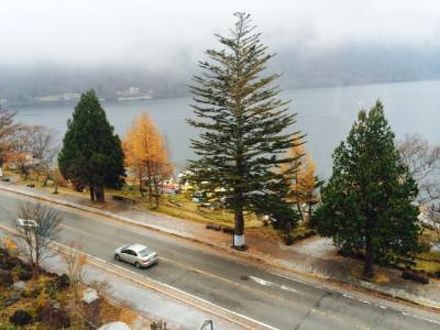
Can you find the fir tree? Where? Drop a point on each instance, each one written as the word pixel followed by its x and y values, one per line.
pixel 242 121
pixel 368 204
pixel 91 155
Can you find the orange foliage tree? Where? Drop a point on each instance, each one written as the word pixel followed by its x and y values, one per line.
pixel 302 179
pixel 146 157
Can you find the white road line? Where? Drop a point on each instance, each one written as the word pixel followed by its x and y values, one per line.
pixel 272 284
pixel 420 318
pixel 361 300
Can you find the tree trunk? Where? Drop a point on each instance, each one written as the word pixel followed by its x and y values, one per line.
pixel 310 213
pixel 150 193
pixel 300 212
pixel 99 193
pixel 368 267
pixel 239 242
pixel 92 193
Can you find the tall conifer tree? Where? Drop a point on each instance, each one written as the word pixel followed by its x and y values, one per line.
pixel 242 124
pixel 92 154
pixel 368 204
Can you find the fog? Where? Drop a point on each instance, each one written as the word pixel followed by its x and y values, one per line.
pixel 168 37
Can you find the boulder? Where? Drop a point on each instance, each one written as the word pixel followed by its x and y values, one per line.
pixel 24 275
pixel 52 317
pixel 115 326
pixel 63 282
pixel 11 300
pixel 90 295
pixel 5 278
pixel 8 262
pixel 19 286
pixel 21 318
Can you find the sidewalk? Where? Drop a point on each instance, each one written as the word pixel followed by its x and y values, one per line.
pixel 314 255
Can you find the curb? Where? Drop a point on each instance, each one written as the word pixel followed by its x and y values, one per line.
pixel 240 254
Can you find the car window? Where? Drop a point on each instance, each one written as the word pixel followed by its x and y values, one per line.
pixel 128 252
pixel 144 252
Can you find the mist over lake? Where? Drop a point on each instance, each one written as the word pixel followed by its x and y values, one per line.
pixel 324 114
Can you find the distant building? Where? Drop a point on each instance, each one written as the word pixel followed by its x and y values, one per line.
pixel 132 93
pixel 65 97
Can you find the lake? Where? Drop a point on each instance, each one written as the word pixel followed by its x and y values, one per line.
pixel 324 114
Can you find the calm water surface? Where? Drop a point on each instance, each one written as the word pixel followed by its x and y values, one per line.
pixel 324 114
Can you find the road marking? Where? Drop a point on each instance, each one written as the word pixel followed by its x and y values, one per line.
pixel 349 296
pixel 272 284
pixel 420 318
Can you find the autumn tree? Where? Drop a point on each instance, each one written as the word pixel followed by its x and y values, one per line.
pixel 92 154
pixel 300 173
pixel 8 128
pixel 146 156
pixel 242 123
pixel 368 204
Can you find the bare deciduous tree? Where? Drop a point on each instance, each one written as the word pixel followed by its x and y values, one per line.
pixel 44 150
pixel 433 213
pixel 7 129
pixel 423 161
pixel 33 238
pixel 75 262
pixel 33 148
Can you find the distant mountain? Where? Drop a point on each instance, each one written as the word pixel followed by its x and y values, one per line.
pixel 301 66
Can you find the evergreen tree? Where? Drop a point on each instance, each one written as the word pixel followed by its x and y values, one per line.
pixel 368 203
pixel 91 155
pixel 242 141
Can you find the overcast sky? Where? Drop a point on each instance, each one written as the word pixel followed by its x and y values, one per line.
pixel 159 32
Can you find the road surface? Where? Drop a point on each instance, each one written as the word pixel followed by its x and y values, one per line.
pixel 274 301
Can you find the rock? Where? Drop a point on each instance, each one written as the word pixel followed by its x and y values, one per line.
pixel 63 282
pixel 8 262
pixel 11 300
pixel 90 295
pixel 24 275
pixel 21 318
pixel 5 278
pixel 19 286
pixel 115 326
pixel 52 316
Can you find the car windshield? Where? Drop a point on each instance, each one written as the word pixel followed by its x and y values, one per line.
pixel 144 252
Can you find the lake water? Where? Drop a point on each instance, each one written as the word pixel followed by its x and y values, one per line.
pixel 324 114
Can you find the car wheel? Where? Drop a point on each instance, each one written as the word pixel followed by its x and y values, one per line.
pixel 117 257
pixel 137 265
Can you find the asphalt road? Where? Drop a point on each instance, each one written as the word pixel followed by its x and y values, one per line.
pixel 275 301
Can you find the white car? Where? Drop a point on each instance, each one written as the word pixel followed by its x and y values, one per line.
pixel 136 254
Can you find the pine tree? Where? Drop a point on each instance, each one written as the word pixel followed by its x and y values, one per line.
pixel 368 203
pixel 91 155
pixel 242 123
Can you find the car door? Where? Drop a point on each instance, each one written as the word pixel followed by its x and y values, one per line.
pixel 127 255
